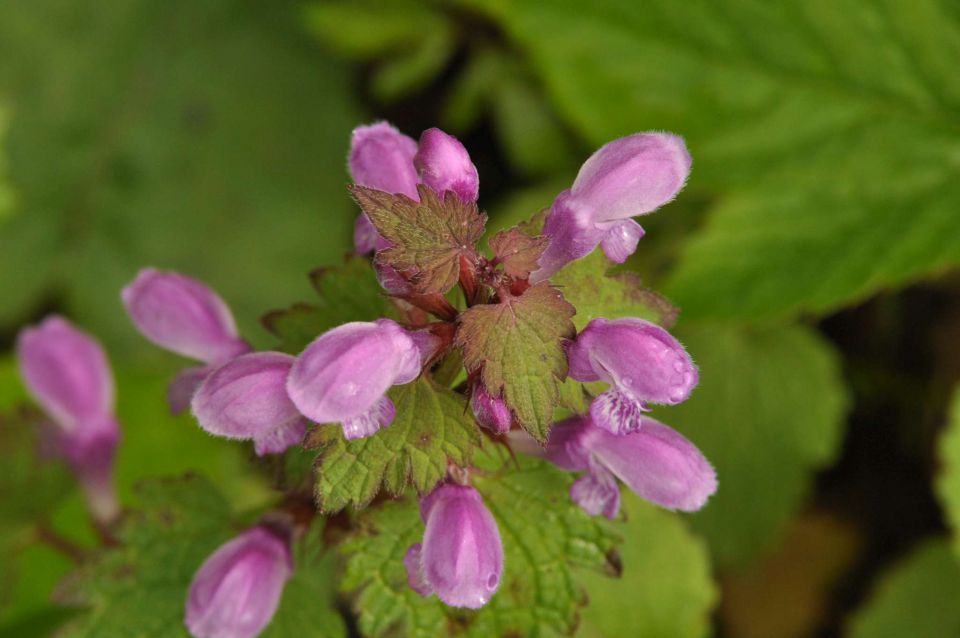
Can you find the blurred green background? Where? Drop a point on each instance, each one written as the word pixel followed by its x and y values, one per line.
pixel 813 253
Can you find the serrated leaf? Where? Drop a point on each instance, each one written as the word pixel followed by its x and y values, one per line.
pixel 139 587
pixel 518 251
pixel 666 590
pixel 948 480
pixel 429 237
pixel 831 129
pixel 544 535
pixel 916 598
pixel 432 428
pixel 347 293
pixel 768 413
pixel 518 343
pixel 595 292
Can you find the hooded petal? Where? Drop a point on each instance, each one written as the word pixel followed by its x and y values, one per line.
pixel 631 176
pixel 657 463
pixel 640 359
pixel 462 555
pixel 620 240
pixel 381 157
pixel 346 370
pixel 444 165
pixel 246 398
pixel 237 590
pixel 572 236
pixel 66 371
pixel 183 315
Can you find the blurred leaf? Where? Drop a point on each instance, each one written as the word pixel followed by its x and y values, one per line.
pixel 666 590
pixel 948 481
pixel 346 293
pixel 833 124
pixel 406 73
pixel 432 428
pixel 767 413
pixel 543 534
pixel 6 196
pixel 207 137
pixel 916 598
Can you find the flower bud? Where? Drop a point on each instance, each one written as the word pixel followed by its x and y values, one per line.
pixel 246 398
pixel 461 557
pixel 640 360
pixel 631 176
pixel 183 315
pixel 655 462
pixel 237 590
pixel 68 374
pixel 343 376
pixel 491 412
pixel 444 165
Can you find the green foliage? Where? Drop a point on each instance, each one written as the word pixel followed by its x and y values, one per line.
pixel 832 127
pixel 346 293
pixel 429 237
pixel 432 428
pixel 139 588
pixel 6 196
pixel 948 482
pixel 518 345
pixel 665 591
pixel 594 292
pixel 916 598
pixel 206 137
pixel 767 413
pixel 543 533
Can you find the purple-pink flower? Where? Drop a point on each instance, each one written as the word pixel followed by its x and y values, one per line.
pixel 67 372
pixel 343 376
pixel 237 590
pixel 461 556
pixel 631 176
pixel 246 398
pixel 641 361
pixel 185 316
pixel 444 165
pixel 491 412
pixel 655 461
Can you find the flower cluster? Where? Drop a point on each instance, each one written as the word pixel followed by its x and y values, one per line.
pixel 419 218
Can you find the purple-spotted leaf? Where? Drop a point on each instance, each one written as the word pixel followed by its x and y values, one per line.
pixel 429 237
pixel 518 344
pixel 518 251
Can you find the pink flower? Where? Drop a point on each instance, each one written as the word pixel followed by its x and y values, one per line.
pixel 491 412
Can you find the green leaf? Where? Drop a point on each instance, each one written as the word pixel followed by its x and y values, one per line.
pixel 6 195
pixel 429 237
pixel 916 598
pixel 518 251
pixel 948 481
pixel 768 413
pixel 139 588
pixel 432 428
pixel 347 293
pixel 666 590
pixel 595 292
pixel 518 345
pixel 830 128
pixel 205 137
pixel 543 533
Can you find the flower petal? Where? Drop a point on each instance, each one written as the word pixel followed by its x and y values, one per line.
pixel 597 493
pixel 491 412
pixel 572 236
pixel 617 412
pixel 444 165
pixel 621 239
pixel 414 566
pixel 380 415
pixel 180 391
pixel 381 157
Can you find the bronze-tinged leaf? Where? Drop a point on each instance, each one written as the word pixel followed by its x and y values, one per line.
pixel 518 343
pixel 429 237
pixel 517 251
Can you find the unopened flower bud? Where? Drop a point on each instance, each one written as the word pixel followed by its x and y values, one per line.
pixel 640 360
pixel 444 165
pixel 246 398
pixel 461 557
pixel 67 372
pixel 491 412
pixel 237 590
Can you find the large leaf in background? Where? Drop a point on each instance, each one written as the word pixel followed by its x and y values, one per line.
pixel 767 413
pixel 917 598
pixel 6 197
pixel 948 482
pixel 832 125
pixel 207 137
pixel 665 591
pixel 139 588
pixel 543 533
